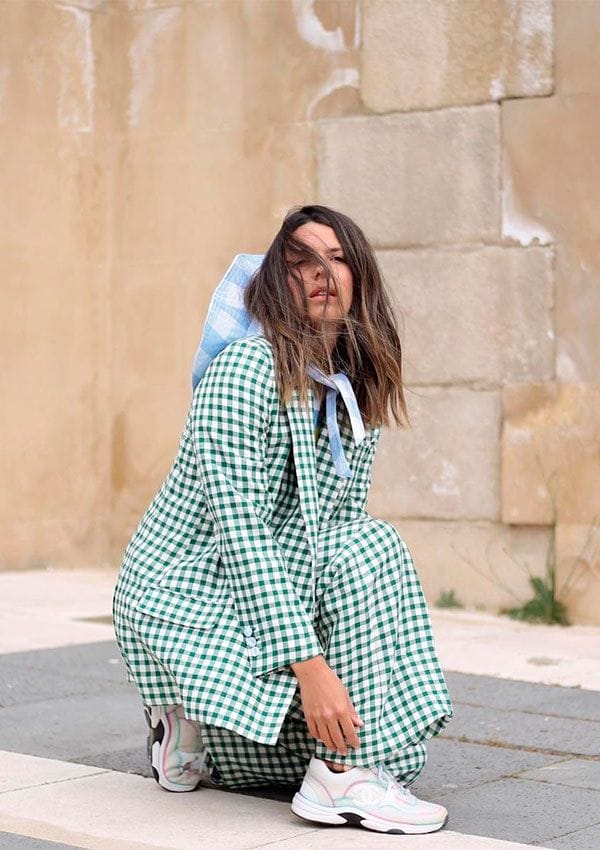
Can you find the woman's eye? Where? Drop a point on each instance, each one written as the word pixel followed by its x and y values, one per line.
pixel 340 259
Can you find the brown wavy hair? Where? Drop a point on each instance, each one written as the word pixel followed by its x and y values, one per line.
pixel 367 347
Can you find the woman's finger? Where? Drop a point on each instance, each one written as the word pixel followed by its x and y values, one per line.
pixel 349 731
pixel 312 728
pixel 325 736
pixel 337 737
pixel 356 720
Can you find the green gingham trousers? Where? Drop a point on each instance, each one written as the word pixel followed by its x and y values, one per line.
pixel 373 622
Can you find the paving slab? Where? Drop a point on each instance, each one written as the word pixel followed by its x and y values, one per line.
pixel 581 839
pixel 522 810
pixel 488 645
pixel 63 604
pixel 73 727
pixel 578 773
pixel 22 771
pixel 96 660
pixel 142 812
pixel 454 764
pixel 537 698
pixel 128 760
pixel 26 684
pixel 541 732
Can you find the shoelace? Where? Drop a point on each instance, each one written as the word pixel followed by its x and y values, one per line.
pixel 392 787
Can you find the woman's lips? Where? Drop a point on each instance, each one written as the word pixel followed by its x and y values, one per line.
pixel 321 296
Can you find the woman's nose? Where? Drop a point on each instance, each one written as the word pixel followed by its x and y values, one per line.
pixel 316 269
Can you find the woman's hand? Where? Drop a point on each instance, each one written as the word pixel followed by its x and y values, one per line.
pixel 328 710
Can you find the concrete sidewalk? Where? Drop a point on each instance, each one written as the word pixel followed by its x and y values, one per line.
pixel 518 766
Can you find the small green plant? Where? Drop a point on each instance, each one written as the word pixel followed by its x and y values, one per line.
pixel 543 607
pixel 447 599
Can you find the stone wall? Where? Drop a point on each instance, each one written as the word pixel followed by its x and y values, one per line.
pixel 145 142
pixel 477 175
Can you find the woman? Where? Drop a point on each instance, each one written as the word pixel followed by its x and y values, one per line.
pixel 277 632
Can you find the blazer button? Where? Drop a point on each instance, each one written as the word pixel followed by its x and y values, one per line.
pixel 247 631
pixel 254 650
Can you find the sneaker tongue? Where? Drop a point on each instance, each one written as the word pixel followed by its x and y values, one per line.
pixel 388 778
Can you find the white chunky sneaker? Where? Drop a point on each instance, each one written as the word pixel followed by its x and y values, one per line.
pixel 175 750
pixel 370 797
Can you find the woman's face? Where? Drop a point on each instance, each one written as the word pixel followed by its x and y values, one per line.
pixel 322 239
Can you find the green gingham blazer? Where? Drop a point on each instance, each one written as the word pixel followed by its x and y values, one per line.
pixel 225 555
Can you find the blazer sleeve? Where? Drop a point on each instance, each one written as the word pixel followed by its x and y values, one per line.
pixel 231 415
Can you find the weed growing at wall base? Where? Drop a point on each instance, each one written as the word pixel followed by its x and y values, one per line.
pixel 543 607
pixel 447 599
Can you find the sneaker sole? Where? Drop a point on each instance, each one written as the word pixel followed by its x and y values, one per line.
pixel 314 812
pixel 156 735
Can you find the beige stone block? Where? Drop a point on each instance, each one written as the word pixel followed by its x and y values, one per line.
pixel 157 315
pixel 158 186
pixel 577 27
pixel 551 185
pixel 447 466
pixel 487 565
pixel 148 76
pixel 39 540
pixel 211 65
pixel 148 420
pixel 418 178
pixel 481 315
pixel 578 570
pixel 51 56
pixel 550 454
pixel 438 53
pixel 184 198
pixel 271 63
pixel 54 452
pixel 54 189
pixel 577 314
pixel 551 175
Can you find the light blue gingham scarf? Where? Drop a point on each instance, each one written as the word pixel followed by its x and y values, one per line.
pixel 228 319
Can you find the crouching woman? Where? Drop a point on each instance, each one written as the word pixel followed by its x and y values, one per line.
pixel 275 630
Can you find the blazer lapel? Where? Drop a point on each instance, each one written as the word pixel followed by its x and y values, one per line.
pixel 303 446
pixel 343 484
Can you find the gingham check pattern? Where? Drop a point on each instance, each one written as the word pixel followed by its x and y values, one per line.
pixel 227 320
pixel 218 593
